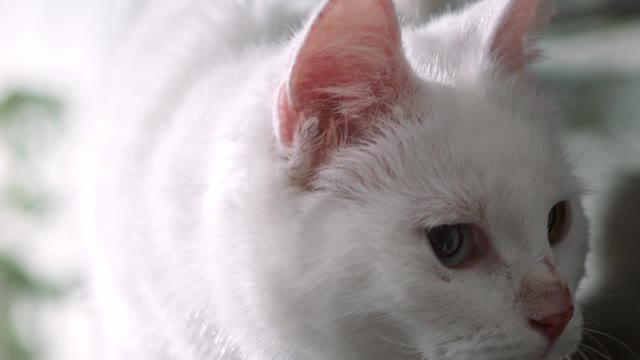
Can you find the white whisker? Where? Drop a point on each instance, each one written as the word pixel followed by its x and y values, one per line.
pixel 629 348
pixel 596 351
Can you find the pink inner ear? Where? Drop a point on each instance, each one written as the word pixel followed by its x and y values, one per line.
pixel 288 117
pixel 523 17
pixel 349 65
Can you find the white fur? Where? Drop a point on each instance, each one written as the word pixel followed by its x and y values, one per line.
pixel 203 249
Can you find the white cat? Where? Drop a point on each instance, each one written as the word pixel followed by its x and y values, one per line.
pixel 361 191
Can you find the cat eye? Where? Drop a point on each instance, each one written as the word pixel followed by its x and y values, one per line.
pixel 557 222
pixel 452 244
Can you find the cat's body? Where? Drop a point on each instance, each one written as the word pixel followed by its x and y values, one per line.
pixel 226 221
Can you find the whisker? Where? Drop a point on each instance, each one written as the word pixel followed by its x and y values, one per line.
pixel 596 351
pixel 598 343
pixel 590 318
pixel 574 356
pixel 618 341
pixel 583 354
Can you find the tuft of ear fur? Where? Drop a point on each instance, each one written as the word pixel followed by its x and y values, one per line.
pixel 349 68
pixel 513 43
pixel 495 34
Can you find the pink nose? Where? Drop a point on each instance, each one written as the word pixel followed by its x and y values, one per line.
pixel 553 325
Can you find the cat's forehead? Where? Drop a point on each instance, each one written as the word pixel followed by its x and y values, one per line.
pixel 492 150
pixel 500 130
pixel 460 152
pixel 489 131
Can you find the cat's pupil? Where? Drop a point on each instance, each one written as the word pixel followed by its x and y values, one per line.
pixel 450 242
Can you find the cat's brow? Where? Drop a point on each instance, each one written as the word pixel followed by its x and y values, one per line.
pixel 451 212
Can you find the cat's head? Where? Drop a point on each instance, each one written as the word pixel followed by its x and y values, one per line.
pixel 446 196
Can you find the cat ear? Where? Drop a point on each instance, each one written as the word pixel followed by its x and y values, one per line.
pixel 349 67
pixel 508 29
pixel 512 45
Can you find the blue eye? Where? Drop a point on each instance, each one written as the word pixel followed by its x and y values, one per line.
pixel 452 244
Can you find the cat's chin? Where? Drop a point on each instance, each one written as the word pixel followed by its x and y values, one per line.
pixel 565 347
pixel 567 344
pixel 562 350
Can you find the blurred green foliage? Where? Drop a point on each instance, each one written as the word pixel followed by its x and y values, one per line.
pixel 16 284
pixel 23 114
pixel 18 100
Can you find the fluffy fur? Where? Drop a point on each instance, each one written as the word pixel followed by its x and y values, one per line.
pixel 211 237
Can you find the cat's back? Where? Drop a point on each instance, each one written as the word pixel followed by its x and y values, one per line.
pixel 174 70
pixel 144 143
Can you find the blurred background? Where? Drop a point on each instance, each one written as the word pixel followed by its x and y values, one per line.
pixel 47 49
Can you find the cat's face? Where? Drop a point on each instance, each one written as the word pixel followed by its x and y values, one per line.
pixel 471 291
pixel 452 203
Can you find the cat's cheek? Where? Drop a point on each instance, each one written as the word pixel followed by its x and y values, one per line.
pixel 440 273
